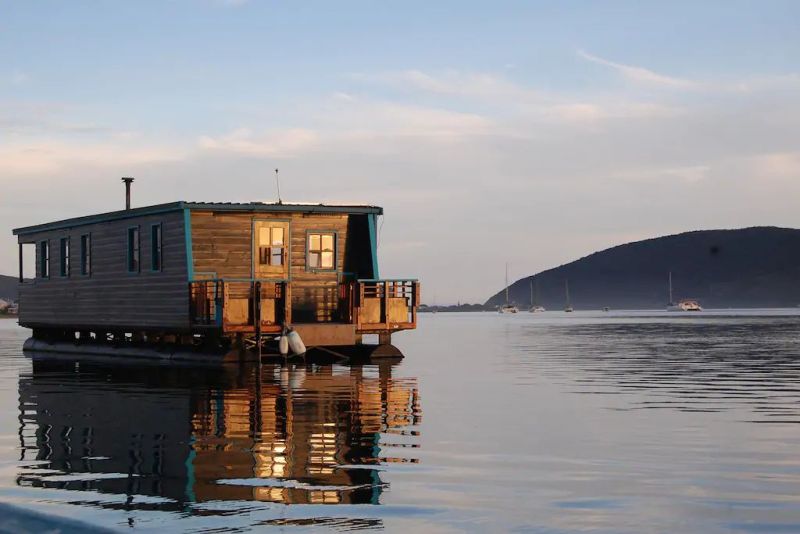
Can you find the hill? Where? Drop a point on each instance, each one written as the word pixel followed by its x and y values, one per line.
pixel 749 267
pixel 8 287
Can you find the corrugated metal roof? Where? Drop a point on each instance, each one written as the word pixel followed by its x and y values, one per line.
pixel 253 207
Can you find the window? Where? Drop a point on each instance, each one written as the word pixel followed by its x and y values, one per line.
pixel 133 249
pixel 155 247
pixel 321 250
pixel 64 257
pixel 44 259
pixel 86 254
pixel 271 244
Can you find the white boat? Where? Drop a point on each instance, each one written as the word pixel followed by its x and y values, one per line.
pixel 535 307
pixel 687 305
pixel 507 308
pixel 568 308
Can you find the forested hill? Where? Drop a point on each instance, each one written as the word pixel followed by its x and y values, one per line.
pixel 8 287
pixel 750 267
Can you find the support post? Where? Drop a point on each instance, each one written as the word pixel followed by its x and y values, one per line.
pixel 21 278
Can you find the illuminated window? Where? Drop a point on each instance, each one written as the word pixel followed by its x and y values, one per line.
pixel 271 245
pixel 321 250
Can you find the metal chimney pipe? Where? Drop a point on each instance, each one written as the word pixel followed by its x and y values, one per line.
pixel 128 182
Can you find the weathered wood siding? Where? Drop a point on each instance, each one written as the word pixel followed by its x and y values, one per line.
pixel 222 247
pixel 111 296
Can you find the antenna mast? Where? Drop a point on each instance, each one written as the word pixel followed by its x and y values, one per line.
pixel 278 184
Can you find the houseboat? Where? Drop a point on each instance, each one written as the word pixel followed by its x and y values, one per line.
pixel 229 276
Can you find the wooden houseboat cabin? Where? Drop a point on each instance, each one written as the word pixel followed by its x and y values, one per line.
pixel 213 273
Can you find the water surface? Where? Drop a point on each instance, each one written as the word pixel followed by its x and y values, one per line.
pixel 603 422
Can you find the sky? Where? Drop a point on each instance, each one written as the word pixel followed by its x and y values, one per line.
pixel 529 133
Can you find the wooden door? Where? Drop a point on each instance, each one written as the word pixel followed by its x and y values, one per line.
pixel 271 249
pixel 271 261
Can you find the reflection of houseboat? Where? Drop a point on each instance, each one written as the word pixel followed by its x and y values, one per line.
pixel 221 273
pixel 291 435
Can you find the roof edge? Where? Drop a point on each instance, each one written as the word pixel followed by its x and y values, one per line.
pixel 251 207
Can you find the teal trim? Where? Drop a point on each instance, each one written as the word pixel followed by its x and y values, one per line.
pixel 100 218
pixel 251 207
pixel 187 234
pixel 373 241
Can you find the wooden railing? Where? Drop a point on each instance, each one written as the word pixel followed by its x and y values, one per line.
pixel 384 305
pixel 234 304
pixel 373 306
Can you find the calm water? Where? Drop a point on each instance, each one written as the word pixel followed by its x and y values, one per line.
pixel 550 423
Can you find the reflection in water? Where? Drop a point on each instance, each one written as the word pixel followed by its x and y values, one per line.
pixel 698 366
pixel 298 435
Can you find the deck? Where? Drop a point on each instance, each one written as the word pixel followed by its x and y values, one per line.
pixel 252 306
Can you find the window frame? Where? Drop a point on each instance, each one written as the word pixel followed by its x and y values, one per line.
pixel 156 252
pixel 44 259
pixel 64 253
pixel 86 254
pixel 335 251
pixel 131 249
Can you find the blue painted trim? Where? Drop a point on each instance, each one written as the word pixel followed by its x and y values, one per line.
pixel 187 235
pixel 373 241
pixel 100 218
pixel 160 225
pixel 335 268
pixel 253 207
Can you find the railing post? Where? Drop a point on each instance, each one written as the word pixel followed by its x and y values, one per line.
pixel 385 306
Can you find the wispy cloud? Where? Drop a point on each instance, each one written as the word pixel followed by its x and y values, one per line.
pixel 277 144
pixel 641 74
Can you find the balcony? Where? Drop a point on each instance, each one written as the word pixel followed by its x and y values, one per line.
pixel 233 305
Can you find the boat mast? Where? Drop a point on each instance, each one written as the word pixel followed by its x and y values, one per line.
pixel 566 290
pixel 670 289
pixel 506 283
pixel 531 292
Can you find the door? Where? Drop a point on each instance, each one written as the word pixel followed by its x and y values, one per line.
pixel 271 249
pixel 271 261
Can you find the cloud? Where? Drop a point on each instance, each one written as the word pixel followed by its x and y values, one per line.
pixel 19 78
pixel 277 144
pixel 640 74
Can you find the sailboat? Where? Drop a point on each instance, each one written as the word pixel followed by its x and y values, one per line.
pixel 685 304
pixel 507 307
pixel 568 308
pixel 535 306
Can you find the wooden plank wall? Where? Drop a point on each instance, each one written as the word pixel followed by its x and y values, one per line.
pixel 222 245
pixel 111 296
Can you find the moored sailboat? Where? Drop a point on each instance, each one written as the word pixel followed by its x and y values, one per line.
pixel 507 307
pixel 535 306
pixel 689 305
pixel 568 308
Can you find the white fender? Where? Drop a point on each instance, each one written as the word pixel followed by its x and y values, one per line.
pixel 283 345
pixel 295 343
